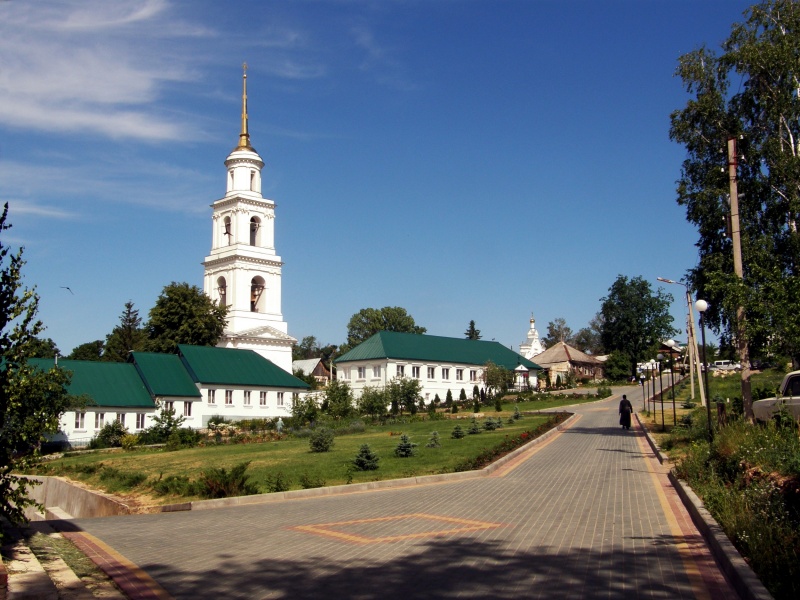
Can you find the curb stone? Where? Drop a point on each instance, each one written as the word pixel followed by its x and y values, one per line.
pixel 736 569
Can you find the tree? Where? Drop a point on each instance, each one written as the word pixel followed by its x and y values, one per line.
pixel 128 336
pixel 372 402
pixel 589 339
pixel 471 333
pixel 88 351
pixel 617 367
pixel 557 331
pixel 183 314
pixel 338 400
pixel 41 348
pixel 635 320
pixel 747 92
pixel 31 399
pixel 497 378
pixel 307 348
pixel 404 391
pixel 369 321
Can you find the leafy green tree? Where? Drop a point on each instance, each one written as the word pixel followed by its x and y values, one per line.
pixel 309 379
pixel 748 92
pixel 471 333
pixel 589 339
pixel 338 400
pixel 372 402
pixel 128 336
pixel 304 411
pixel 41 348
pixel 369 321
pixel 617 367
pixel 404 391
pixel 88 351
pixel 497 378
pixel 557 331
pixel 183 314
pixel 307 348
pixel 31 400
pixel 635 319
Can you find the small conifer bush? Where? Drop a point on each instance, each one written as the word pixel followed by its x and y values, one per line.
pixel 433 441
pixel 474 427
pixel 490 424
pixel 366 459
pixel 321 440
pixel 405 448
pixel 517 414
pixel 476 406
pixel 458 433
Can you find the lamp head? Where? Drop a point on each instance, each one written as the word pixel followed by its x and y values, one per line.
pixel 701 306
pixel 660 356
pixel 670 343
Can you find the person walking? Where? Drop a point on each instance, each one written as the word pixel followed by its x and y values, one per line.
pixel 625 410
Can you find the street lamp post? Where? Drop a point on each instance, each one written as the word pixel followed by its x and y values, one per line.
pixel 660 357
pixel 672 344
pixel 702 307
pixel 641 382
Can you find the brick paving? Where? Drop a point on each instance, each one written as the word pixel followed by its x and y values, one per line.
pixel 587 514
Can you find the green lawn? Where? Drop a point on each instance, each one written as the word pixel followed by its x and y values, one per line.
pixel 292 458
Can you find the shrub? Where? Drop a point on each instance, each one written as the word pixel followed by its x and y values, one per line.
pixel 129 441
pixel 433 441
pixel 366 459
pixel 462 396
pixel 321 440
pixel 110 436
pixel 185 437
pixel 177 485
pixel 116 479
pixel 307 482
pixel 406 448
pixel 498 403
pixel 476 405
pixel 490 424
pixel 454 410
pixel 474 428
pixel 517 415
pixel 457 433
pixel 604 391
pixel 218 482
pixel 448 399
pixel 278 482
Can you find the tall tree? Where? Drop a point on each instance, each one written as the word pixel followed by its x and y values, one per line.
pixel 369 321
pixel 307 348
pixel 747 91
pixel 557 331
pixel 128 336
pixel 42 348
pixel 31 400
pixel 88 351
pixel 183 314
pixel 635 319
pixel 471 333
pixel 589 339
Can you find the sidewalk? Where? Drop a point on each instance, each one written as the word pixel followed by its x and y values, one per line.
pixel 587 513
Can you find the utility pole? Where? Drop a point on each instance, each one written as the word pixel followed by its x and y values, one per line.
pixel 741 336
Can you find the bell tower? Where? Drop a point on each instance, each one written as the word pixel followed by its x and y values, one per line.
pixel 242 271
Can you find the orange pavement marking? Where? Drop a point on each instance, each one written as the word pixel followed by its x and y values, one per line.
pixel 459 526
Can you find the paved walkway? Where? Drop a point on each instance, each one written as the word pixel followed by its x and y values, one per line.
pixel 587 514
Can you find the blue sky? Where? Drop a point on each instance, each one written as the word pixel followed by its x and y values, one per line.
pixel 463 159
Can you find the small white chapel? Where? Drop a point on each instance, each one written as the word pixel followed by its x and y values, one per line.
pixel 242 270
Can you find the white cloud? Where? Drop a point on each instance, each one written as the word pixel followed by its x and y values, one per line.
pixel 26 207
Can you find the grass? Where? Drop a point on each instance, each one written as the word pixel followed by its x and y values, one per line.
pixel 133 474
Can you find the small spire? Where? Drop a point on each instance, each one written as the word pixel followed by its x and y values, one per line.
pixel 244 136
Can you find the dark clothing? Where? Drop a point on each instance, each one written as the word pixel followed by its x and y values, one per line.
pixel 625 410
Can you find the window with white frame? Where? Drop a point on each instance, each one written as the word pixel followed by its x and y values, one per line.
pixel 401 370
pixel 415 372
pixel 362 372
pixel 211 395
pixel 473 375
pixel 459 374
pixel 445 373
pixel 262 398
pixel 187 409
pixel 80 420
pixel 247 397
pixel 99 420
pixel 169 405
pixel 280 398
pixel 228 397
pixel 431 372
pixel 139 420
pixel 121 419
pixel 295 398
pixel 376 372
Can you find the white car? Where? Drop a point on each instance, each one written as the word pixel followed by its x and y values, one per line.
pixel 789 397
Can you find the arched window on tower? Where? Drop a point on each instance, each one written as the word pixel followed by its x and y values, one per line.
pixel 253 181
pixel 226 230
pixel 230 180
pixel 257 294
pixel 222 290
pixel 255 231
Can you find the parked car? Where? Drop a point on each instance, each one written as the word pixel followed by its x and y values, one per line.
pixel 727 365
pixel 788 397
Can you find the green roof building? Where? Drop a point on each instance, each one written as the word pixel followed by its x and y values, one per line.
pixel 439 363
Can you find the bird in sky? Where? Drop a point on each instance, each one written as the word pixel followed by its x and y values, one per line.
pixel 63 287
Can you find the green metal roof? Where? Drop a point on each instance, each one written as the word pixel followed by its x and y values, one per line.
pixel 108 384
pixel 233 366
pixel 164 374
pixel 434 348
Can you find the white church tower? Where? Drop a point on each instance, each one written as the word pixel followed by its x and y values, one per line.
pixel 243 271
pixel 532 346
